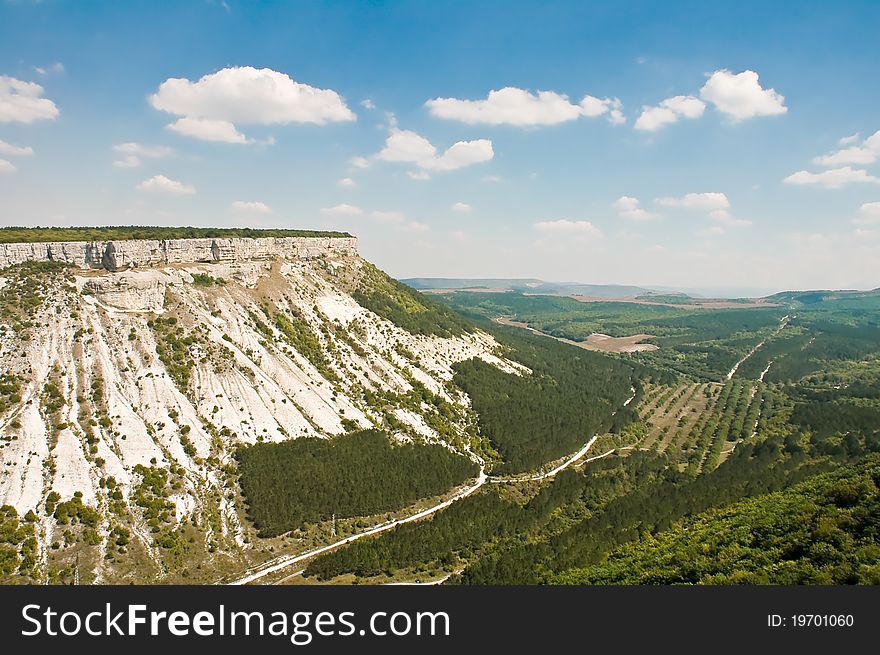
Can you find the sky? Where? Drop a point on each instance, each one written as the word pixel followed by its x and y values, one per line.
pixel 716 146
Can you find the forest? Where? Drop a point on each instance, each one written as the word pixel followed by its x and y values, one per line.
pixel 570 395
pixel 822 531
pixel 290 483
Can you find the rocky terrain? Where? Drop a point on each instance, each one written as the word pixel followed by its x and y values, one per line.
pixel 132 370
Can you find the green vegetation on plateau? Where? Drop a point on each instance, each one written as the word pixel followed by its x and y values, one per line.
pixel 126 232
pixel 307 480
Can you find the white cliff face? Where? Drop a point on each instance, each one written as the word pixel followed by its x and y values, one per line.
pixel 140 253
pixel 102 388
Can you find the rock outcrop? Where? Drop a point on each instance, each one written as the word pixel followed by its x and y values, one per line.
pixel 140 253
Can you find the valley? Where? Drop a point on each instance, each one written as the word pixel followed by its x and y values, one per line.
pixel 280 411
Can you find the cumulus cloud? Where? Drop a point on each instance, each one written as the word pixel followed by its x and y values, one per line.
pixel 462 208
pixel 387 216
pixel 515 106
pixel 161 184
pixel 869 214
pixel 408 146
pixel 23 102
pixel 359 162
pixel 565 227
pixel 57 67
pixel 698 201
pixel 346 183
pixel 740 95
pixel 833 178
pixel 866 152
pixel 208 130
pixel 724 217
pixel 211 107
pixel 342 209
pixel 12 150
pixel 7 166
pixel 628 208
pixel 381 216
pixel 669 111
pixel 135 151
pixel 253 207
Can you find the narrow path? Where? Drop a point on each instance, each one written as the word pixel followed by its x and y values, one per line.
pixel 543 476
pixel 281 563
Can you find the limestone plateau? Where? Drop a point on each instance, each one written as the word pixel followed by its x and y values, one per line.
pixel 137 253
pixel 132 371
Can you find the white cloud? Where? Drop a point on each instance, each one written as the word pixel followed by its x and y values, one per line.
pixel 253 207
pixel 368 104
pixel 834 178
pixel 346 183
pixel 57 67
pixel 669 111
pixel 129 161
pixel 628 208
pixel 581 229
pixel 514 106
pixel 140 150
pixel 493 179
pixel 698 201
pixel 846 140
pixel 161 184
pixel 23 102
pixel 359 162
pixel 15 151
pixel 408 146
pixel 869 214
pixel 723 216
pixel 419 175
pixel 461 154
pixel 212 106
pixel 342 209
pixel 208 130
pixel 134 151
pixel 740 95
pixel 462 208
pixel 415 226
pixel 7 166
pixel 865 153
pixel 387 216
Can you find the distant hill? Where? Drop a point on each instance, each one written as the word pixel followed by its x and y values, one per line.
pixel 527 285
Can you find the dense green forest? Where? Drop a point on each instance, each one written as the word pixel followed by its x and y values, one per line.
pixel 306 480
pixel 125 232
pixel 570 395
pixel 822 531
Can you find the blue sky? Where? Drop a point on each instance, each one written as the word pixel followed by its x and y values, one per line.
pixel 691 144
